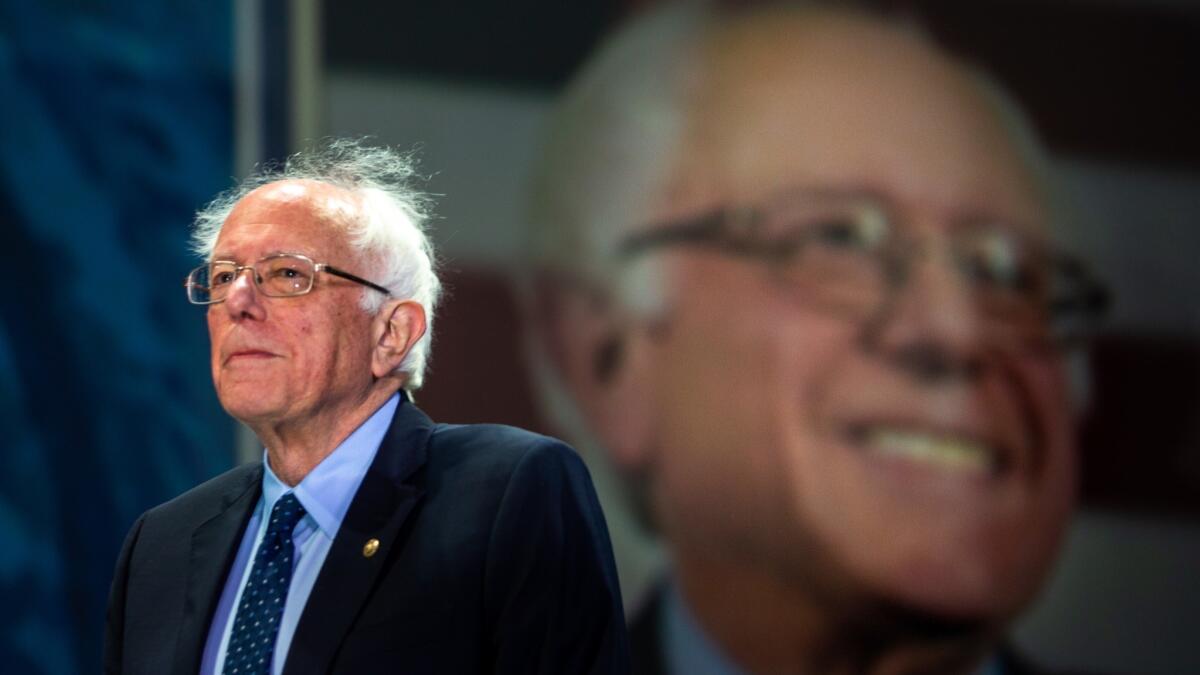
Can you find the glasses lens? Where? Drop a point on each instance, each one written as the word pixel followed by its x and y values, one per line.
pixel 833 252
pixel 284 275
pixel 198 286
pixel 1078 302
pixel 219 276
pixel 1009 277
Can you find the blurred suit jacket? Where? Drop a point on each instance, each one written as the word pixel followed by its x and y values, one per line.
pixel 647 646
pixel 494 558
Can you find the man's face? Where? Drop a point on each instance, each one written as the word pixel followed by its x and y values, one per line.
pixel 280 360
pixel 787 440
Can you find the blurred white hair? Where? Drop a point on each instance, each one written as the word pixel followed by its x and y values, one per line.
pixel 385 221
pixel 608 151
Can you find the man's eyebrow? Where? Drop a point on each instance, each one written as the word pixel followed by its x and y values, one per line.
pixel 831 190
pixel 971 213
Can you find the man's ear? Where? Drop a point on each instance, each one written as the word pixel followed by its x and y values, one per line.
pixel 602 356
pixel 397 327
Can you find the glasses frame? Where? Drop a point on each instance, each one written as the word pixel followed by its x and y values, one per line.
pixel 317 267
pixel 735 231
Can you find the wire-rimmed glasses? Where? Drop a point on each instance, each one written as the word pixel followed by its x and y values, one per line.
pixel 281 275
pixel 845 253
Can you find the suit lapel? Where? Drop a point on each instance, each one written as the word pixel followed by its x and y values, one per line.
pixel 380 508
pixel 215 540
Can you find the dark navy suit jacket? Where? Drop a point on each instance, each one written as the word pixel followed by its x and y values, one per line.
pixel 493 558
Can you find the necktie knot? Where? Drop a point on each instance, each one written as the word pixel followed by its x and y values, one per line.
pixel 284 516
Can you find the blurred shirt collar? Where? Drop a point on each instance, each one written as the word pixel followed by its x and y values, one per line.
pixel 690 651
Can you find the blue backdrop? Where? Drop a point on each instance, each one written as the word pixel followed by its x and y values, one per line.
pixel 115 125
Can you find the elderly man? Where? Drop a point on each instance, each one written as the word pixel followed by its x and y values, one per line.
pixel 369 539
pixel 794 273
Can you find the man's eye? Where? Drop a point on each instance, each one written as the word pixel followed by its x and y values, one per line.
pixel 222 278
pixel 838 233
pixel 1002 264
pixel 1005 273
pixel 287 273
pixel 848 235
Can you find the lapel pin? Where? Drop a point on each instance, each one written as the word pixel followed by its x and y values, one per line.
pixel 370 547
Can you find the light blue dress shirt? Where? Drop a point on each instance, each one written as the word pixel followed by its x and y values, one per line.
pixel 325 493
pixel 688 648
pixel 690 651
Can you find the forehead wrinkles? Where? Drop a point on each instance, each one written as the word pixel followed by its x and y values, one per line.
pixel 300 199
pixel 314 208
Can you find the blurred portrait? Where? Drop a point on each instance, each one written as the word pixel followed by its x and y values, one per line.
pixel 795 273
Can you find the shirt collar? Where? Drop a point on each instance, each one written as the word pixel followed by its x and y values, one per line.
pixel 688 648
pixel 327 490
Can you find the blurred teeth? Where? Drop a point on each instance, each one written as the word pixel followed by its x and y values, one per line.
pixel 944 452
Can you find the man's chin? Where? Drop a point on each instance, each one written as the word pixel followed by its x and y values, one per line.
pixel 250 410
pixel 943 541
pixel 971 592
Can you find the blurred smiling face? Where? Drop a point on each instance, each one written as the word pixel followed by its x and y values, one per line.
pixel 911 454
pixel 280 359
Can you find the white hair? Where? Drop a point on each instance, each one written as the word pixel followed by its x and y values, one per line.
pixel 385 221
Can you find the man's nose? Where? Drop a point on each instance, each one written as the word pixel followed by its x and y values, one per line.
pixel 930 325
pixel 243 301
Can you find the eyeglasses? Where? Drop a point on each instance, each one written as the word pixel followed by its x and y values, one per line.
pixel 845 254
pixel 281 275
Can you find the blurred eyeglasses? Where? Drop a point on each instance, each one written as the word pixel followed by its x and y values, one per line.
pixel 281 275
pixel 845 254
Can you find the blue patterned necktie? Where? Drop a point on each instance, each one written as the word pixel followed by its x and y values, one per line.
pixel 256 624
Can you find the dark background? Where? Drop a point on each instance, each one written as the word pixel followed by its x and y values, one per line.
pixel 115 126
